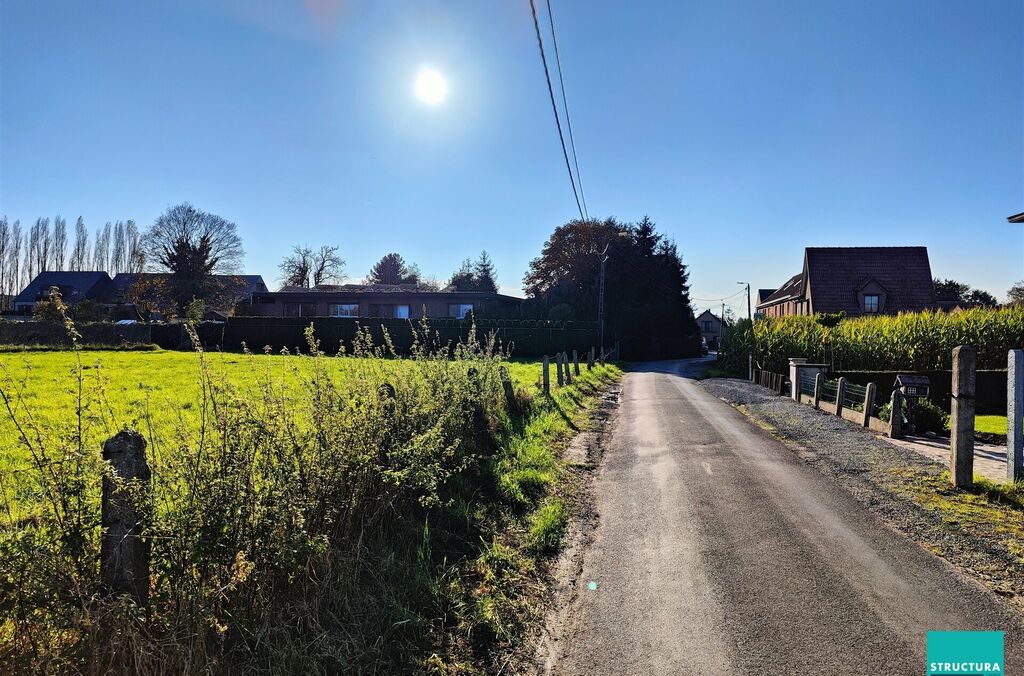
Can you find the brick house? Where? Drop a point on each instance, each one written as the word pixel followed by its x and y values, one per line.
pixel 857 281
pixel 399 301
pixel 710 328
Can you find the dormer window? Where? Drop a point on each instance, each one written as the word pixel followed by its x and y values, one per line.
pixel 870 303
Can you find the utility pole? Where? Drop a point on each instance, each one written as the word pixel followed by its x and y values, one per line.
pixel 721 338
pixel 749 316
pixel 600 299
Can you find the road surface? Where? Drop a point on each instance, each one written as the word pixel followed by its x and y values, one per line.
pixel 718 551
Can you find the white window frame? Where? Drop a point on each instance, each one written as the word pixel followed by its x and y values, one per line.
pixel 353 309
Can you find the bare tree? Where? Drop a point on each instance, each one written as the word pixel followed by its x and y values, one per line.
pixel 5 245
pixel 119 249
pixel 80 252
pixel 136 259
pixel 101 248
pixel 60 242
pixel 14 260
pixel 296 268
pixel 44 244
pixel 328 266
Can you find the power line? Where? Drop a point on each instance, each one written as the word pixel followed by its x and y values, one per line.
pixel 554 107
pixel 565 107
pixel 717 300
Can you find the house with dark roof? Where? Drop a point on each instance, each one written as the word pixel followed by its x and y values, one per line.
pixel 710 328
pixel 857 281
pixel 399 301
pixel 97 286
pixel 74 287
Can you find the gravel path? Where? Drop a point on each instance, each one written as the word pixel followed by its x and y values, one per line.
pixel 888 480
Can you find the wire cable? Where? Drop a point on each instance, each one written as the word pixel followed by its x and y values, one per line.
pixel 565 107
pixel 554 107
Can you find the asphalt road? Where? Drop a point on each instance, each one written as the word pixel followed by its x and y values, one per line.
pixel 718 551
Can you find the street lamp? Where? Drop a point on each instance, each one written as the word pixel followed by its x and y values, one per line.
pixel 749 317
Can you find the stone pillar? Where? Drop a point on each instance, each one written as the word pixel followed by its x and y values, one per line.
pixel 840 393
pixel 896 415
pixel 961 438
pixel 819 382
pixel 750 367
pixel 869 403
pixel 1014 413
pixel 558 369
pixel 575 363
pixel 590 360
pixel 794 376
pixel 124 553
pixel 568 371
pixel 547 375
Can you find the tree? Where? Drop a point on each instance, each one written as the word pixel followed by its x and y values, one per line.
pixel 328 266
pixel 193 245
pixel 119 250
pixel 5 245
pixel 1016 293
pixel 14 259
pixel 647 303
pixel 101 248
pixel 485 277
pixel 297 266
pixel 135 259
pixel 60 242
pixel 463 279
pixel 80 251
pixel 392 269
pixel 952 291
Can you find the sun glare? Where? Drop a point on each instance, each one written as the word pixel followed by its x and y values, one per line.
pixel 431 87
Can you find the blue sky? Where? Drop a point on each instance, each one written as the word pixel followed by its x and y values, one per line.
pixel 745 130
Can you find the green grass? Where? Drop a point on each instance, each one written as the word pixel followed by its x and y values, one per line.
pixel 992 424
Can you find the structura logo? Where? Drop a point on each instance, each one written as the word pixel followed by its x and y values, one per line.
pixel 965 653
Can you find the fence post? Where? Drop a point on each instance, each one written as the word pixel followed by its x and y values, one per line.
pixel 558 367
pixel 568 371
pixel 590 359
pixel 896 415
pixel 750 367
pixel 961 439
pixel 506 385
pixel 546 378
pixel 124 553
pixel 575 363
pixel 1014 413
pixel 819 382
pixel 840 393
pixel 782 384
pixel 869 403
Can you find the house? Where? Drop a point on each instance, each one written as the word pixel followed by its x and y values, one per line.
pixel 710 329
pixel 398 301
pixel 98 287
pixel 74 287
pixel 857 281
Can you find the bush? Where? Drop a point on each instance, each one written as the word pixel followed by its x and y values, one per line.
pixel 929 418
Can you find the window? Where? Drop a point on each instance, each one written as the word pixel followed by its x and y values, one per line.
pixel 401 312
pixel 459 310
pixel 300 309
pixel 705 325
pixel 343 310
pixel 871 303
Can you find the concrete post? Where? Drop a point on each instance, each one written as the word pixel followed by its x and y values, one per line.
pixel 750 367
pixel 961 439
pixel 794 376
pixel 896 415
pixel 558 368
pixel 568 371
pixel 506 385
pixel 1014 413
pixel 840 393
pixel 124 553
pixel 575 363
pixel 819 382
pixel 869 403
pixel 590 359
pixel 547 375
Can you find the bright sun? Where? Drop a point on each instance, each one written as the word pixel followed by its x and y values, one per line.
pixel 431 87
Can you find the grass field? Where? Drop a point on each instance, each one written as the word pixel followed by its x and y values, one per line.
pixel 299 512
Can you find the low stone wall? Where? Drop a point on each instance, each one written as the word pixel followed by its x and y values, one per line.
pixel 853 416
pixel 827 407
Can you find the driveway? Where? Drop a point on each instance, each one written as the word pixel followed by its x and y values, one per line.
pixel 718 551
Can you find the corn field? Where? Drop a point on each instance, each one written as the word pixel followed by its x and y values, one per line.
pixel 921 341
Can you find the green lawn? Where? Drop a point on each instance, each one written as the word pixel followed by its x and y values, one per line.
pixel 992 424
pixel 154 391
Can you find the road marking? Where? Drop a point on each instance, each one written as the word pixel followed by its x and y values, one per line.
pixel 707 467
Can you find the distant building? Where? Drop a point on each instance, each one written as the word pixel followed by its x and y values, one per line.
pixel 398 301
pixel 857 281
pixel 98 287
pixel 710 328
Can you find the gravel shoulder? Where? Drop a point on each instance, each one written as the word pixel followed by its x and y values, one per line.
pixel 981 534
